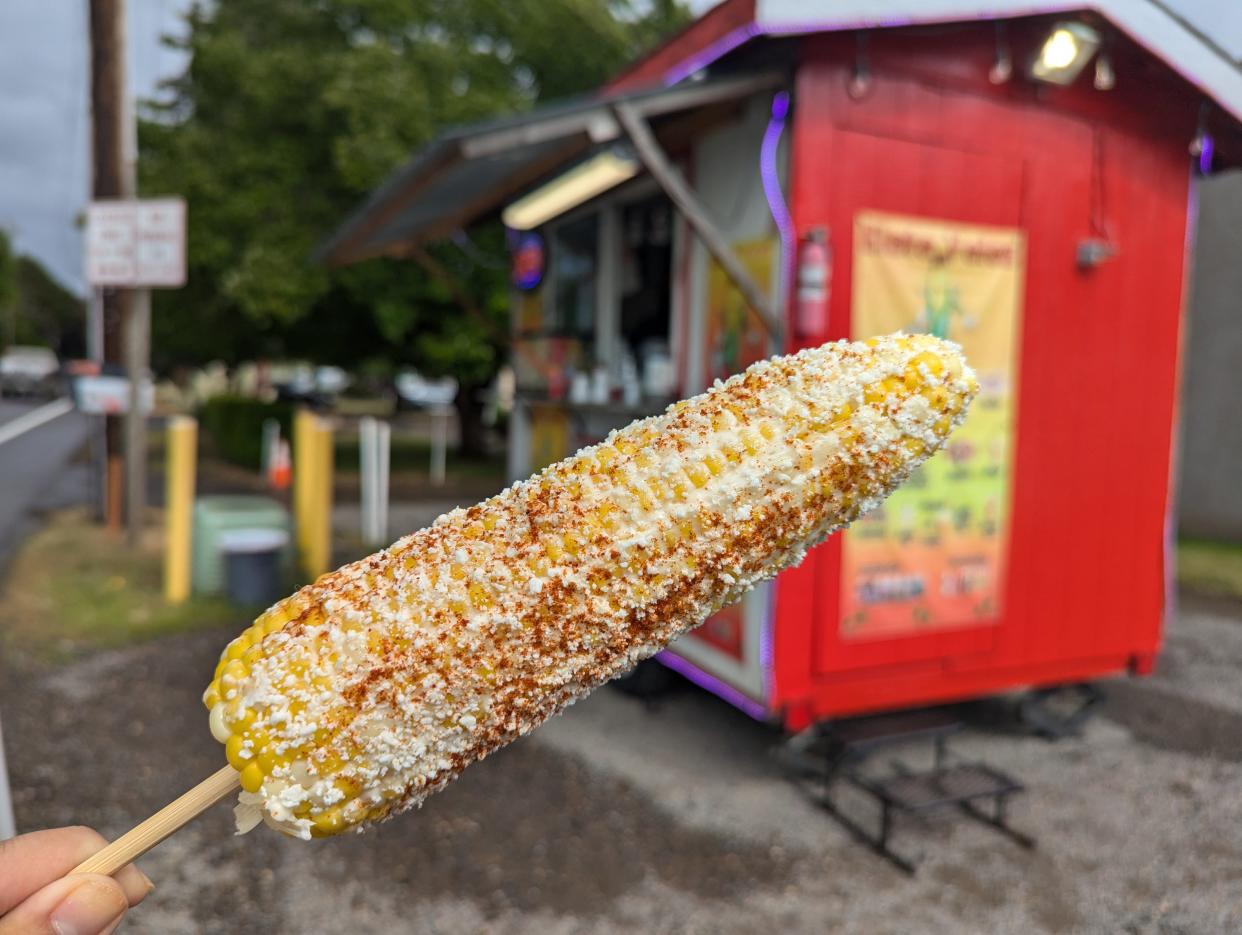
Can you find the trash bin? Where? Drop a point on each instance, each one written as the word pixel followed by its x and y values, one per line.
pixel 252 565
pixel 216 515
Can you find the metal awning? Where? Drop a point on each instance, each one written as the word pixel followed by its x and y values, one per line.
pixel 471 172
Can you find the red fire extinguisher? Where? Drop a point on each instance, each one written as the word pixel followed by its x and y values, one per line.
pixel 814 284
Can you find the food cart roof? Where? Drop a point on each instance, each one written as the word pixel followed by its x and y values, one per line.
pixel 471 171
pixel 1183 43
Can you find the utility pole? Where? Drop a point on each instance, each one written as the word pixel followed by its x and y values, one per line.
pixel 126 313
pixel 108 93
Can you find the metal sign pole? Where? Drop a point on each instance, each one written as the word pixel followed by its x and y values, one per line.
pixel 137 358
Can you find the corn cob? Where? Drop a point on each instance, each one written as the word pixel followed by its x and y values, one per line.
pixel 375 686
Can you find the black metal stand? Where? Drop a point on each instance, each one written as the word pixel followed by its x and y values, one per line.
pixel 1056 713
pixel 834 753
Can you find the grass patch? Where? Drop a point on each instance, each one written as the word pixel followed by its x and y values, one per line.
pixel 74 587
pixel 1212 567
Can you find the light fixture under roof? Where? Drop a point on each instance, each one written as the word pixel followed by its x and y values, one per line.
pixel 591 177
pixel 1065 53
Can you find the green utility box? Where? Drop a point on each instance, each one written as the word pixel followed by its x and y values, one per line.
pixel 218 515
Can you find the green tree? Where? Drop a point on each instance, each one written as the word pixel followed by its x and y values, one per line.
pixel 47 312
pixel 290 113
pixel 35 308
pixel 8 291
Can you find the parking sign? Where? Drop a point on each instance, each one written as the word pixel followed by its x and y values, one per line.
pixel 136 243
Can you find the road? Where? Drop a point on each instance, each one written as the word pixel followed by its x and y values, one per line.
pixel 35 465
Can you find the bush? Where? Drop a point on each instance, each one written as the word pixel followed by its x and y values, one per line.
pixel 235 424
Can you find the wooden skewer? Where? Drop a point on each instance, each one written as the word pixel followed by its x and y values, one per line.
pixel 140 839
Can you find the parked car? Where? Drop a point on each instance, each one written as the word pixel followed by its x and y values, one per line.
pixel 304 383
pixel 417 391
pixel 29 371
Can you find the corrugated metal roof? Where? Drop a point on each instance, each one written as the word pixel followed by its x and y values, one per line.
pixel 470 171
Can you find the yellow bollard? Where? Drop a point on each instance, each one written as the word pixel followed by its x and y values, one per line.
pixel 302 466
pixel 179 506
pixel 321 545
pixel 312 492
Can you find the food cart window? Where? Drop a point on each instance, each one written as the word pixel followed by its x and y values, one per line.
pixel 575 258
pixel 646 276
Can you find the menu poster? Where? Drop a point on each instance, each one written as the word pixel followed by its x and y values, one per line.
pixel 932 556
pixel 736 336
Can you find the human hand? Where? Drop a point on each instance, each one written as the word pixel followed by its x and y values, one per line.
pixel 36 898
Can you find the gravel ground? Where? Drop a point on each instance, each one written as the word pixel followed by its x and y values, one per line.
pixel 620 817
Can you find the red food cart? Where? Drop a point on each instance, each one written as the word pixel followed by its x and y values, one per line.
pixel 1017 176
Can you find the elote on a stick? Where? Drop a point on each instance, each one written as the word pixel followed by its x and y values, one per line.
pixel 373 687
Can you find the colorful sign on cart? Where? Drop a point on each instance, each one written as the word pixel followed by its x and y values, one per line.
pixel 932 556
pixel 736 337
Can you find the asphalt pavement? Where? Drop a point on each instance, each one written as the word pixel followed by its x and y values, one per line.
pixel 38 467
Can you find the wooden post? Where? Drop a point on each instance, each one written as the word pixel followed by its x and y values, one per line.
pixel 179 509
pixel 112 177
pixel 669 179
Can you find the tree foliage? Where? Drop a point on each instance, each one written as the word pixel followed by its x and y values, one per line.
pixel 35 308
pixel 290 112
pixel 8 282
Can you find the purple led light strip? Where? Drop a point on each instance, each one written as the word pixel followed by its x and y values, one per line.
pixel 720 689
pixel 710 52
pixel 770 178
pixel 1207 146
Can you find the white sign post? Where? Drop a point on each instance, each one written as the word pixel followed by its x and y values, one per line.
pixel 7 826
pixel 136 244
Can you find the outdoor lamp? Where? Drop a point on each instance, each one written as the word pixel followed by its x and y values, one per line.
pixel 1065 53
pixel 593 176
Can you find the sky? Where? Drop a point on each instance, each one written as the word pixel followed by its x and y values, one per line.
pixel 45 119
pixel 45 116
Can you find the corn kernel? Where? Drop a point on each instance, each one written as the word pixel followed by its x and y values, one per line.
pixel 928 361
pixel 252 777
pixel 233 750
pixel 479 596
pixel 329 822
pixel 699 475
pixel 268 761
